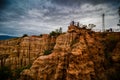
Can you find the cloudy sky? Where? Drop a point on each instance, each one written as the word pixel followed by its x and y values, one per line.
pixel 34 17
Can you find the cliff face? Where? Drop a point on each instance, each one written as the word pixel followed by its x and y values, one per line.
pixel 116 53
pixel 78 54
pixel 75 57
pixel 23 51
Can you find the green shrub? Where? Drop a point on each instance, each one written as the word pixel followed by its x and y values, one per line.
pixel 53 33
pixel 73 42
pixel 47 52
pixel 41 35
pixel 19 70
pixel 24 35
pixel 56 33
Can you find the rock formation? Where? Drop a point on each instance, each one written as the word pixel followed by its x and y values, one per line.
pixel 78 54
pixel 23 51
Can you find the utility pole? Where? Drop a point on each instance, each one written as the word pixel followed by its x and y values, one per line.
pixel 119 18
pixel 103 22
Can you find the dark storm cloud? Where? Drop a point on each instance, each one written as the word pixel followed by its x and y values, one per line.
pixel 42 16
pixel 81 2
pixel 3 4
pixel 12 10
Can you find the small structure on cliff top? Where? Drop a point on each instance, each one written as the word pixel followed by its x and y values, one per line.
pixel 75 27
pixel 72 23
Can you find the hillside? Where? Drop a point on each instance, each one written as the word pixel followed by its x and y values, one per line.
pixel 78 54
pixel 4 37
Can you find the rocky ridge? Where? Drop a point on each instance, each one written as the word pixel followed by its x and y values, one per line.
pixel 23 51
pixel 77 55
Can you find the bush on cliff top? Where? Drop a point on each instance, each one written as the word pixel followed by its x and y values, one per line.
pixel 56 33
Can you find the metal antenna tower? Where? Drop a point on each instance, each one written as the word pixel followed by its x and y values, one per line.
pixel 119 17
pixel 103 22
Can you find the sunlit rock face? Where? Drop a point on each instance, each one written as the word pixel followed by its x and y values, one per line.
pixel 23 51
pixel 77 55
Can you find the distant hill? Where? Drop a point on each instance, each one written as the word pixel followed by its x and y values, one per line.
pixel 4 37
